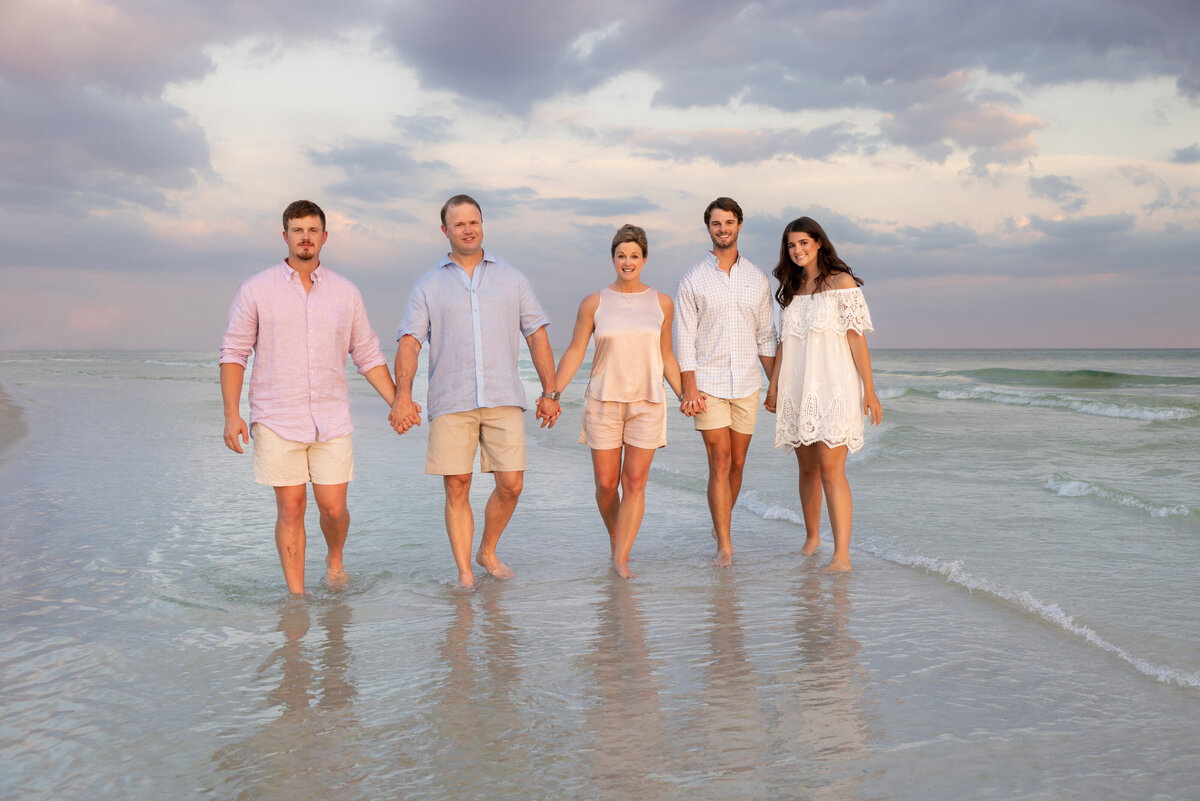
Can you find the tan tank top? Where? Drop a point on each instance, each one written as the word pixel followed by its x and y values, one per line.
pixel 627 364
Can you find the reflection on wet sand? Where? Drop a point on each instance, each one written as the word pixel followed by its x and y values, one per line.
pixel 480 746
pixel 820 720
pixel 721 732
pixel 624 729
pixel 304 751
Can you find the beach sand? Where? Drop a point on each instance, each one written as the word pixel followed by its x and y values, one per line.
pixel 12 423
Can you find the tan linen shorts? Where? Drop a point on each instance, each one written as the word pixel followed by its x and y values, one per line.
pixel 740 414
pixel 280 462
pixel 454 438
pixel 609 424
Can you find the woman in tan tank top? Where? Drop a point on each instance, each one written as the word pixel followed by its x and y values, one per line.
pixel 625 408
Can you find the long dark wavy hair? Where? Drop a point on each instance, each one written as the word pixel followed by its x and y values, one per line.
pixel 791 276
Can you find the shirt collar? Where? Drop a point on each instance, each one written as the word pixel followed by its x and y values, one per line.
pixel 290 274
pixel 711 261
pixel 448 260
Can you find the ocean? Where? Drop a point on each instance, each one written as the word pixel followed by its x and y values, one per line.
pixel 1022 621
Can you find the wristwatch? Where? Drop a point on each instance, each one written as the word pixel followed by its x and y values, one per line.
pixel 555 395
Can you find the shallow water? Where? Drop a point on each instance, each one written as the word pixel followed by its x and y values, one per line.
pixel 1020 623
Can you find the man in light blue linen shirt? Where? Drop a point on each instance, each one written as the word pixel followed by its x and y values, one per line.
pixel 470 309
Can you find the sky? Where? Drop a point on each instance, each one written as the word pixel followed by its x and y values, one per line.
pixel 1001 175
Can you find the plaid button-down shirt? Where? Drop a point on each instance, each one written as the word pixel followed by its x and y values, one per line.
pixel 723 323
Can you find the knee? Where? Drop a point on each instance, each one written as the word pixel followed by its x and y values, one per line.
pixel 291 510
pixel 634 481
pixel 720 462
pixel 737 464
pixel 607 485
pixel 509 487
pixel 458 488
pixel 333 510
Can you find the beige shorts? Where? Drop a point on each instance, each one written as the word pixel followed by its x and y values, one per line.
pixel 454 438
pixel 280 462
pixel 609 424
pixel 739 414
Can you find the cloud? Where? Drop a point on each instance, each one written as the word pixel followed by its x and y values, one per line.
pixel 1187 155
pixel 596 207
pixel 377 171
pixel 1058 188
pixel 729 147
pixel 914 63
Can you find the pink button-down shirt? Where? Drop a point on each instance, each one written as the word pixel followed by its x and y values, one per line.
pixel 300 341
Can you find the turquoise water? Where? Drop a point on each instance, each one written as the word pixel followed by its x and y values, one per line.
pixel 1021 622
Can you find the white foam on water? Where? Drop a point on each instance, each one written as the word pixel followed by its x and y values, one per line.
pixel 1074 488
pixel 955 572
pixel 1013 397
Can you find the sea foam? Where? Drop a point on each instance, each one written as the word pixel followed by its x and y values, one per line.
pixel 1067 487
pixel 1014 397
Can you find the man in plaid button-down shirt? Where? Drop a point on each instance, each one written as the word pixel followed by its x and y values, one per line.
pixel 724 330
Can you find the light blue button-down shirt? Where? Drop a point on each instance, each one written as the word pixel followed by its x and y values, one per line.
pixel 473 326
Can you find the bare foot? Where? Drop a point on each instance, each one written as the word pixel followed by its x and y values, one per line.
pixel 336 577
pixel 810 546
pixel 622 570
pixel 495 567
pixel 337 581
pixel 466 580
pixel 724 559
pixel 713 531
pixel 839 566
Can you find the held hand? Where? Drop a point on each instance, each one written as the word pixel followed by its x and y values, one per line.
pixel 871 406
pixel 235 429
pixel 769 401
pixel 692 402
pixel 404 415
pixel 548 411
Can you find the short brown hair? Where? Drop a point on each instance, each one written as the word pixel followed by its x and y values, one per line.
pixel 458 200
pixel 631 233
pixel 302 208
pixel 724 204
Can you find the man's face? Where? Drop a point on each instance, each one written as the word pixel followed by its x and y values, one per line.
pixel 304 236
pixel 723 227
pixel 464 229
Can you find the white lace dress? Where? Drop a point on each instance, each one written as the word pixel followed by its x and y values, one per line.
pixel 820 395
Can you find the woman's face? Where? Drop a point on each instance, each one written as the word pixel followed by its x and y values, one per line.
pixel 628 261
pixel 802 248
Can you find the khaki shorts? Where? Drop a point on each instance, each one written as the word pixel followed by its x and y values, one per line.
pixel 609 424
pixel 454 438
pixel 739 414
pixel 280 462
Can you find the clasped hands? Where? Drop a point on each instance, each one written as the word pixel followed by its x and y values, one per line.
pixel 404 415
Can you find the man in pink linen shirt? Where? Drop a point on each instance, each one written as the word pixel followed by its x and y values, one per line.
pixel 300 319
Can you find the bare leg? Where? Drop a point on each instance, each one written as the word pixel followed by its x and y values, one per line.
pixel 810 496
pixel 720 496
pixel 635 472
pixel 606 470
pixel 290 503
pixel 839 502
pixel 500 508
pixel 335 524
pixel 460 524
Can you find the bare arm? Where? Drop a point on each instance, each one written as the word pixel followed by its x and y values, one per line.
pixel 771 401
pixel 862 362
pixel 670 365
pixel 380 378
pixel 585 324
pixel 543 361
pixel 233 375
pixel 405 413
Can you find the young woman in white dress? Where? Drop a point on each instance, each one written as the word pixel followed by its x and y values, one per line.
pixel 625 408
pixel 822 384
